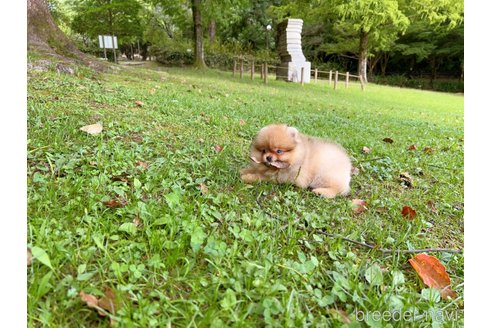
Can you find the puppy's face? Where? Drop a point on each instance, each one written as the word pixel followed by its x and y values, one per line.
pixel 275 146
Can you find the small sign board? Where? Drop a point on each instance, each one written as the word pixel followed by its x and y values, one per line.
pixel 106 42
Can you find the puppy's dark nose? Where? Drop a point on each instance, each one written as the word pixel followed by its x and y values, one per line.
pixel 269 158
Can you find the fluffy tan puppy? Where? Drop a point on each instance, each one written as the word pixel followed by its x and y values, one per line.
pixel 280 153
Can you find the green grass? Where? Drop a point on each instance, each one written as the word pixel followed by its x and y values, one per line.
pixel 235 255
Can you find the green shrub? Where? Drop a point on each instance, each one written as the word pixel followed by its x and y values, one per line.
pixel 445 85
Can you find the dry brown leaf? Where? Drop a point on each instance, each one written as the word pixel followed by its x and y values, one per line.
pixel 388 140
pixel 29 256
pixel 428 150
pixel 114 203
pixel 242 122
pixel 137 222
pixel 412 147
pixel 406 178
pixel 218 148
pixel 89 299
pixel 408 212
pixel 366 150
pixel 358 206
pixel 93 128
pixel 138 103
pixel 433 274
pixel 432 206
pixel 142 164
pixel 203 188
pixel 355 170
pixel 340 315
pixel 108 302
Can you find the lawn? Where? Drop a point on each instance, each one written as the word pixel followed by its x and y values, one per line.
pixel 152 209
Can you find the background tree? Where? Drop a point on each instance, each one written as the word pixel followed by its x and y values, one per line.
pixel 45 36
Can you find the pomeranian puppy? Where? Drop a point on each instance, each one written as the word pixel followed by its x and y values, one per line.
pixel 280 153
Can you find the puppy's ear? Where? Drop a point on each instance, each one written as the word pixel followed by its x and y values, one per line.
pixel 294 133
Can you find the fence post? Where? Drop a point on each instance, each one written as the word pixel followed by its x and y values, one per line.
pixel 329 80
pixel 336 80
pixel 315 75
pixel 234 69
pixel 241 68
pixel 361 82
pixel 266 73
pixel 252 70
pixel 302 75
pixel 347 80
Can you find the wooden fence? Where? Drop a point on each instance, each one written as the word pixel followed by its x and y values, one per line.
pixel 249 67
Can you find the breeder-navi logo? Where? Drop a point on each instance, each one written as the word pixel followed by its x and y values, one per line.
pixel 408 316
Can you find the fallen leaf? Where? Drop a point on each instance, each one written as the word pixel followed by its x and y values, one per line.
pixel 138 103
pixel 203 188
pixel 406 179
pixel 366 150
pixel 29 255
pixel 242 122
pixel 137 222
pixel 339 314
pixel 408 212
pixel 218 148
pixel 358 206
pixel 428 150
pixel 200 140
pixel 388 140
pixel 433 274
pixel 142 164
pixel 432 206
pixel 355 170
pixel 93 128
pixel 108 302
pixel 89 299
pixel 412 147
pixel 113 203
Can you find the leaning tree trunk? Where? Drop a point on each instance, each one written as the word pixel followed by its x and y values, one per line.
pixel 363 50
pixel 45 36
pixel 198 34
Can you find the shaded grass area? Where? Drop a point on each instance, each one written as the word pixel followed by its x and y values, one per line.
pixel 191 244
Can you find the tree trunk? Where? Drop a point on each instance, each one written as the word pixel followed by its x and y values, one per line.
pixel 363 49
pixel 45 36
pixel 198 34
pixel 211 31
pixel 384 63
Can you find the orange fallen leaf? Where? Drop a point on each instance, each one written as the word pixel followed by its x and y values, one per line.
pixel 93 128
pixel 366 150
pixel 242 122
pixel 408 212
pixel 138 103
pixel 358 206
pixel 113 203
pixel 412 147
pixel 433 274
pixel 388 140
